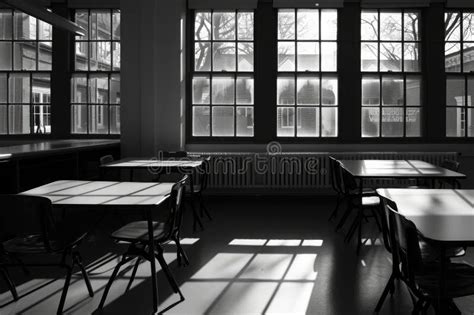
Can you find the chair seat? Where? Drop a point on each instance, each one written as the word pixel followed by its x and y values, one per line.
pixel 30 244
pixel 459 280
pixel 138 232
pixel 431 253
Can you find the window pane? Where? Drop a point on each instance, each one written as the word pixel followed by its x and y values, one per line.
pixel 411 57
pixel 45 31
pixel 392 91
pixel 5 56
pixel 100 53
pixel 308 24
pixel 370 122
pixel 470 122
pixel 79 88
pixel 455 122
pixel 79 119
pixel 223 25
pixel 19 88
pixel 413 91
pixel 245 55
pixel 329 121
pixel 6 23
pixel 413 122
pixel 82 19
pixel 307 121
pixel 100 25
pixel 307 90
pixel 202 56
pixel 245 25
pixel 19 119
pixel 115 120
pixel 24 26
pixel 286 24
pixel 201 117
pixel 452 21
pixel 245 121
pixel 99 119
pixel 390 57
pixel 328 24
pixel 244 90
pixel 222 121
pixel 3 120
pixel 392 122
pixel 329 91
pixel 24 56
pixel 285 91
pixel 411 27
pixel 45 56
pixel 42 119
pixel 369 25
pixel 41 90
pixel 328 56
pixel 116 56
pixel 455 92
pixel 285 121
pixel 452 57
pixel 470 92
pixel 390 26
pixel 202 26
pixel 286 56
pixel 98 90
pixel 223 56
pixel 468 57
pixel 222 90
pixel 115 89
pixel 370 91
pixel 82 54
pixel 369 56
pixel 308 56
pixel 3 88
pixel 116 25
pixel 468 27
pixel 201 90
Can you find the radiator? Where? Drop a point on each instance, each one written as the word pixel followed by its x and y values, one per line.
pixel 295 171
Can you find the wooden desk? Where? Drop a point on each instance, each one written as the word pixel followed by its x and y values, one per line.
pixel 444 216
pixel 110 195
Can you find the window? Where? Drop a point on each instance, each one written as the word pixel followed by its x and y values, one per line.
pixel 25 65
pixel 391 78
pixel 95 85
pixel 459 58
pixel 307 83
pixel 222 80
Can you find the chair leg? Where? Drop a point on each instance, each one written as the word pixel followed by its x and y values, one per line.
pixel 77 259
pixel 426 307
pixel 359 237
pixel 181 253
pixel 134 273
pixel 111 280
pixel 196 218
pixel 11 286
pixel 334 212
pixel 204 208
pixel 344 218
pixel 418 306
pixel 166 270
pixel 382 298
pixel 353 227
pixel 65 289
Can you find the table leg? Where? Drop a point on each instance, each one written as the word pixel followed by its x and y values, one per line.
pixel 196 218
pixel 151 255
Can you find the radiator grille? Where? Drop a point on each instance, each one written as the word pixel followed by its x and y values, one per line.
pixel 295 170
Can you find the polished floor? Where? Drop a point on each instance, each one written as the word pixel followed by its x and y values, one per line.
pixel 260 255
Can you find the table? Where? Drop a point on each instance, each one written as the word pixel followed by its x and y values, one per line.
pixel 443 216
pixel 110 195
pixel 185 165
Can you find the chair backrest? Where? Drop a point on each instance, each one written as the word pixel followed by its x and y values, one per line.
pixel 204 173
pixel 174 154
pixel 106 159
pixel 335 174
pixel 451 165
pixel 388 205
pixel 23 216
pixel 348 182
pixel 175 206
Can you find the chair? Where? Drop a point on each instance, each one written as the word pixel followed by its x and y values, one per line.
pixel 416 267
pixel 103 160
pixel 30 229
pixel 199 188
pixel 452 166
pixel 135 234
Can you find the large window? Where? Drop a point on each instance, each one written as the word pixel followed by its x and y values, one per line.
pixel 391 73
pixel 95 85
pixel 459 58
pixel 25 65
pixel 307 83
pixel 222 82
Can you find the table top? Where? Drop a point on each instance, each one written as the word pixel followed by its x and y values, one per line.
pixel 439 214
pixel 397 169
pixel 151 163
pixel 103 193
pixel 52 146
